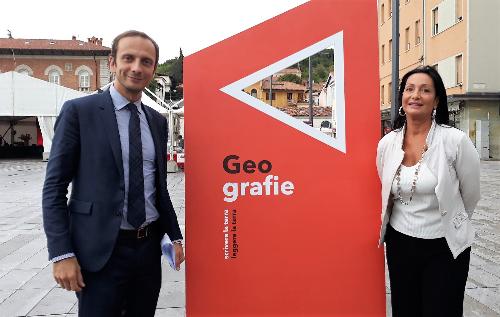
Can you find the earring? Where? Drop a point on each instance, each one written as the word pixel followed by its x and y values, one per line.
pixel 401 112
pixel 434 113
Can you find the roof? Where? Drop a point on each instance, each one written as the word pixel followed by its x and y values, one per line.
pixel 45 46
pixel 163 78
pixel 330 80
pixel 294 71
pixel 492 96
pixel 318 86
pixel 283 85
pixel 304 111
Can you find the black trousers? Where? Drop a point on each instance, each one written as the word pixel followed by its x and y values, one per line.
pixel 425 278
pixel 128 285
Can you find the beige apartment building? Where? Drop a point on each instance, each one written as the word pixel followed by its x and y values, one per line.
pixel 461 39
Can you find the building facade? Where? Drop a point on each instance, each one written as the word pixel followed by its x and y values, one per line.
pixel 283 93
pixel 75 64
pixel 71 63
pixel 460 38
pixel 163 87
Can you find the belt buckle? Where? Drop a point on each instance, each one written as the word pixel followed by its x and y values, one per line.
pixel 142 232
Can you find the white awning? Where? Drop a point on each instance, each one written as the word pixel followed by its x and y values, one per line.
pixel 25 96
pixel 22 95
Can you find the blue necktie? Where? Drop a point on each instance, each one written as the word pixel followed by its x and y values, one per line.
pixel 136 213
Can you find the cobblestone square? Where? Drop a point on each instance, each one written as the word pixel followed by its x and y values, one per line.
pixel 28 289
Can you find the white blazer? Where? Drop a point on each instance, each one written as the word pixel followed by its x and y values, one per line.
pixel 454 161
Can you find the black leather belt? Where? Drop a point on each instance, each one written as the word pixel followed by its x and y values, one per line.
pixel 139 234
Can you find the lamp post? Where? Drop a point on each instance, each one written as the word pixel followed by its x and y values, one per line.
pixel 395 59
pixel 271 90
pixel 310 95
pixel 170 95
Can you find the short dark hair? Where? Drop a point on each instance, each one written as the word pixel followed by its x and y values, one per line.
pixel 442 116
pixel 133 33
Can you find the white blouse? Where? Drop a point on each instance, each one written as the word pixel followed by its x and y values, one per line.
pixel 421 218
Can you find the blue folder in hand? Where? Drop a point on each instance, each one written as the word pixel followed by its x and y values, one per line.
pixel 167 248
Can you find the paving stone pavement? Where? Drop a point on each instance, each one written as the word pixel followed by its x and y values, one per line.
pixel 27 287
pixel 26 284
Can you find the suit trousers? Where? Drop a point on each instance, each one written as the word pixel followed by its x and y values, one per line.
pixel 129 283
pixel 425 279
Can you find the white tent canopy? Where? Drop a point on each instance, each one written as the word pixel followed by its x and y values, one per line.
pixel 25 96
pixel 22 96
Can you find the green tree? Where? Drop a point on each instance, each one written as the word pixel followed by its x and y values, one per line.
pixel 290 78
pixel 174 68
pixel 322 64
pixel 320 73
pixel 152 87
pixel 165 67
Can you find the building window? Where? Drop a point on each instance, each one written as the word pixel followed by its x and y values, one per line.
pixel 253 93
pixel 435 21
pixel 389 4
pixel 24 69
pixel 289 96
pixel 68 67
pixel 54 77
pixel 407 39
pixel 24 72
pixel 389 93
pixel 382 54
pixel 458 69
pixel 53 73
pixel 267 96
pixel 382 94
pixel 389 57
pixel 458 10
pixel 84 80
pixel 382 14
pixel 417 32
pixel 83 73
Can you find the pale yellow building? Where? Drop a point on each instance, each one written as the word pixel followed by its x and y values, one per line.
pixel 284 93
pixel 460 38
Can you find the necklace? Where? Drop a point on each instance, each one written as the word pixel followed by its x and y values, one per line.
pixel 413 183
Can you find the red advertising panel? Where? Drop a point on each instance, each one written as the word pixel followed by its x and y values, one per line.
pixel 283 213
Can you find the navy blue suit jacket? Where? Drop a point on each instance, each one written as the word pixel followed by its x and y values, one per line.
pixel 86 152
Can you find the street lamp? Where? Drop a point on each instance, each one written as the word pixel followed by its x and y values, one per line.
pixel 170 94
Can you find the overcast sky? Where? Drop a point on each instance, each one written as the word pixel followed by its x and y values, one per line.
pixel 190 24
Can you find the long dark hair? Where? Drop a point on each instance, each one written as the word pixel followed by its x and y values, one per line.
pixel 442 116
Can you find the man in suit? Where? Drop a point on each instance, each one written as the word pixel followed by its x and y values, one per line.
pixel 105 243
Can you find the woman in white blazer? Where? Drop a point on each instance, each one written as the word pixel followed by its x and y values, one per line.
pixel 430 187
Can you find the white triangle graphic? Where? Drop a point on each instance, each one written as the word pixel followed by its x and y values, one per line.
pixel 235 90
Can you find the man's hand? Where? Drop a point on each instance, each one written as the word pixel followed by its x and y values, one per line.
pixel 179 255
pixel 68 275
